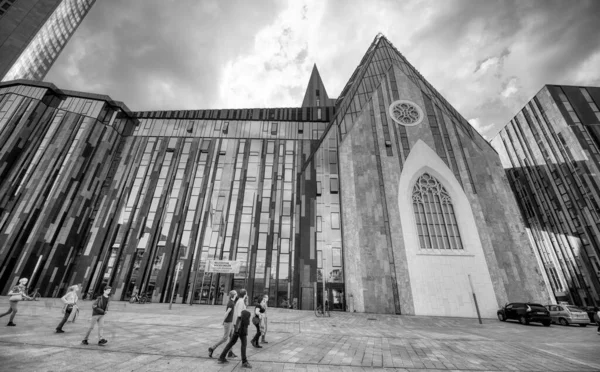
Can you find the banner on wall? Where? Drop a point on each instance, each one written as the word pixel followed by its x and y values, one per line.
pixel 222 267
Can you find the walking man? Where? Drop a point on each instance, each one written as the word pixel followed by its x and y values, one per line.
pixel 240 305
pixel 242 334
pixel 227 325
pixel 99 309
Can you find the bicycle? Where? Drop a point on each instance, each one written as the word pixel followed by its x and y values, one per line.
pixel 319 311
pixel 89 295
pixel 140 299
pixel 35 295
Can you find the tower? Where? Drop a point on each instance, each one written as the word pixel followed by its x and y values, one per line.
pixel 34 32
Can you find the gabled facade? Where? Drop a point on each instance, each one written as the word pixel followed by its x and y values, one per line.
pixel 388 199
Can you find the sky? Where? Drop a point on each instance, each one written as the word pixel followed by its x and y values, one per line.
pixel 487 58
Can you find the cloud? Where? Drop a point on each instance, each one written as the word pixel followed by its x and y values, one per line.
pixel 279 65
pixel 510 88
pixel 486 57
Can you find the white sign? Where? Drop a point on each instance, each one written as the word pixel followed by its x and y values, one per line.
pixel 222 266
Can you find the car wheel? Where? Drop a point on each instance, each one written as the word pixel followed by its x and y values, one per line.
pixel 546 324
pixel 583 325
pixel 523 320
pixel 563 322
pixel 501 317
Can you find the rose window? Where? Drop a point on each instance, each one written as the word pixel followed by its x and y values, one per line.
pixel 406 113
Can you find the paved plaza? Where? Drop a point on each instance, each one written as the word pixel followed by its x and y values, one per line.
pixel 151 337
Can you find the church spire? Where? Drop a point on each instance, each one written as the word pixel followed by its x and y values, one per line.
pixel 316 95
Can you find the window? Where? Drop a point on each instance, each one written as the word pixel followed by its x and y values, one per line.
pixel 319 188
pixel 336 257
pixel 335 220
pixel 318 114
pixel 434 215
pixel 334 185
pixel 205 145
pixel 225 128
pixel 319 259
pixel 300 127
pixel 273 128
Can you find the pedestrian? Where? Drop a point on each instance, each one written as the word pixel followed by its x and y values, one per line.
pixel 259 310
pixel 18 293
pixel 240 304
pixel 241 333
pixel 263 323
pixel 70 301
pixel 227 325
pixel 99 309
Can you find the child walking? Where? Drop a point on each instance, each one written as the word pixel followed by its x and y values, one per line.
pixel 18 293
pixel 100 307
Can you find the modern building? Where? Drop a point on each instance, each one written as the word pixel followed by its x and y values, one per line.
pixel 386 194
pixel 34 32
pixel 550 151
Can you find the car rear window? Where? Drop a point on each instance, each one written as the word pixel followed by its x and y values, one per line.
pixel 537 308
pixel 575 309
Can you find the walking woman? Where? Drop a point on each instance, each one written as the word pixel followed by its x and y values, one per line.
pixel 18 293
pixel 259 311
pixel 70 300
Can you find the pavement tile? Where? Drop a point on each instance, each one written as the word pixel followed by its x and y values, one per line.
pixel 153 338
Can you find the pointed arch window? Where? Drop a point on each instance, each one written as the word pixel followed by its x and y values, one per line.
pixel 434 214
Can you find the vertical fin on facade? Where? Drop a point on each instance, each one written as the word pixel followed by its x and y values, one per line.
pixel 316 95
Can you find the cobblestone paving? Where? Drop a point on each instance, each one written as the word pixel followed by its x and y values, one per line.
pixel 153 338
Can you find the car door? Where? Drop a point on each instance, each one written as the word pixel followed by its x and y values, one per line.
pixel 509 311
pixel 553 313
pixel 561 312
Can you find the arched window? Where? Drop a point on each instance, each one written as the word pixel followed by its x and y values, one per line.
pixel 434 214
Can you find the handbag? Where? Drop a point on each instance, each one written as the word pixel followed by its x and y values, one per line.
pixel 255 321
pixel 16 297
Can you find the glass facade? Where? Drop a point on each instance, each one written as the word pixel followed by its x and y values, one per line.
pixel 35 34
pixel 181 188
pixel 550 152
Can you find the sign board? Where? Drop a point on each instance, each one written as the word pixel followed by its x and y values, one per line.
pixel 222 267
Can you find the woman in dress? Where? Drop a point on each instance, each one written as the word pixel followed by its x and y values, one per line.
pixel 18 293
pixel 70 301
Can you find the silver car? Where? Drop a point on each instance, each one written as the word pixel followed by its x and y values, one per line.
pixel 568 314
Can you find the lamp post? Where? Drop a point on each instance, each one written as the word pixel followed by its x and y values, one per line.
pixel 324 290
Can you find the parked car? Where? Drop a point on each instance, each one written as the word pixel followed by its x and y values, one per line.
pixel 568 314
pixel 525 313
pixel 591 310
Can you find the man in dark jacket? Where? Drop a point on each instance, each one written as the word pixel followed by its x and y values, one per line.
pixel 242 333
pixel 99 309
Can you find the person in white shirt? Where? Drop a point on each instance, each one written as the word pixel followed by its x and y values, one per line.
pixel 70 301
pixel 240 305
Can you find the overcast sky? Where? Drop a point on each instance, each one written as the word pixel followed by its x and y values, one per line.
pixel 488 58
